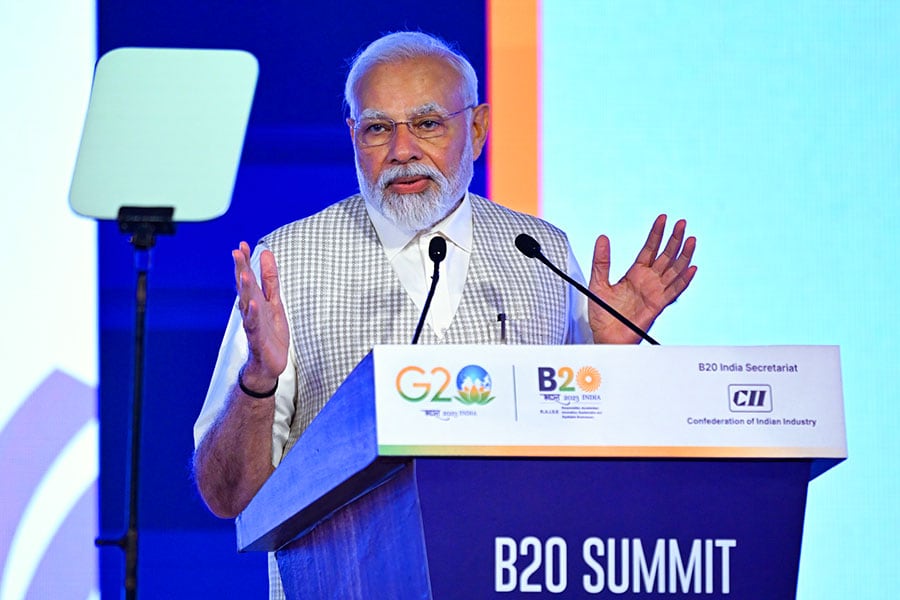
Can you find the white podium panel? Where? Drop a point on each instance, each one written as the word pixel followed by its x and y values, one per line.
pixel 654 401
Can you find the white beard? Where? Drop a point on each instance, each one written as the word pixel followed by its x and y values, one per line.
pixel 420 211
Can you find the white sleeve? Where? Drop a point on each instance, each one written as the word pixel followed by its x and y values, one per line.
pixel 232 356
pixel 579 331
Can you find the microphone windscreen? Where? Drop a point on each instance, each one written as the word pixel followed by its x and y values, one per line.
pixel 527 245
pixel 437 249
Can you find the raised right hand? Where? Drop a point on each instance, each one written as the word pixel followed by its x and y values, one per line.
pixel 264 318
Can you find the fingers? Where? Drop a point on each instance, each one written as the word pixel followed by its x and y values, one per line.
pixel 244 279
pixel 679 284
pixel 672 267
pixel 648 253
pixel 252 295
pixel 600 264
pixel 248 293
pixel 678 276
pixel 675 257
pixel 669 253
pixel 269 277
pixel 677 267
pixel 241 258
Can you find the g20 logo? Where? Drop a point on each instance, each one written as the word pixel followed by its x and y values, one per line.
pixel 586 379
pixel 473 385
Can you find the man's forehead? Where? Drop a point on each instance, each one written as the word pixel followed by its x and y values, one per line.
pixel 407 87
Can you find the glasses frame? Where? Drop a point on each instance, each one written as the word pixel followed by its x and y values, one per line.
pixel 357 127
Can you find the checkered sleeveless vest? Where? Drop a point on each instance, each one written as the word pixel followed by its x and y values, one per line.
pixel 343 297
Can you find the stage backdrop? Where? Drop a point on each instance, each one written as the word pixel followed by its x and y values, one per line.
pixel 771 126
pixel 48 424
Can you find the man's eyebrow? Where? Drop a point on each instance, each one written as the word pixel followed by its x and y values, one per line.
pixel 429 108
pixel 371 113
pixel 424 109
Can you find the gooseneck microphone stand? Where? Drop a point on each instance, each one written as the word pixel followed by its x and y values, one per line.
pixel 143 224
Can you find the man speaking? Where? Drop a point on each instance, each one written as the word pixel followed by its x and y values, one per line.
pixel 317 294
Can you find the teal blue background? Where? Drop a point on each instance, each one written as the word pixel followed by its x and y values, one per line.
pixel 774 129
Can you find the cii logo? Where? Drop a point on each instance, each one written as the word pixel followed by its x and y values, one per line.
pixel 473 385
pixel 750 398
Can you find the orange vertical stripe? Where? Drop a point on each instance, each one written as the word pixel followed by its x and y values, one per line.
pixel 513 84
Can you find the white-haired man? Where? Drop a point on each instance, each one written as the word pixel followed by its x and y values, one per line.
pixel 356 274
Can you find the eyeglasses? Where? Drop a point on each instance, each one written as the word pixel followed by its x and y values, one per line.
pixel 378 132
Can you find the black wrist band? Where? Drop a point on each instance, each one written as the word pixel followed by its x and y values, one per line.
pixel 250 392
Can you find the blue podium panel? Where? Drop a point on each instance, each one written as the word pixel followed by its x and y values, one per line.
pixel 613 528
pixel 371 548
pixel 569 528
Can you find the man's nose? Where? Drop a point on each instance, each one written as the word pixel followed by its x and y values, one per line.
pixel 404 146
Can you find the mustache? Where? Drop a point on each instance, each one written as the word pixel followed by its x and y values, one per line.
pixel 391 174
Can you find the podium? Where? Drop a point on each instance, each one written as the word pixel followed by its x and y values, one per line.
pixel 494 471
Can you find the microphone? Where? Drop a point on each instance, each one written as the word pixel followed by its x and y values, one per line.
pixel 530 247
pixel 437 251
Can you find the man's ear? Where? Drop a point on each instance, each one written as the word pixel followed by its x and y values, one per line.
pixel 481 121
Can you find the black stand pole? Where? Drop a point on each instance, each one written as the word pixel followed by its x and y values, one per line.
pixel 144 224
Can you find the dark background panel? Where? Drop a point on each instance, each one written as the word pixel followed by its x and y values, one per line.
pixel 297 159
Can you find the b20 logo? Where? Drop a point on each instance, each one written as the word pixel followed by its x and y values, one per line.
pixel 473 385
pixel 586 379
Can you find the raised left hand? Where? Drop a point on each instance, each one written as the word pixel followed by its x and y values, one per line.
pixel 652 283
